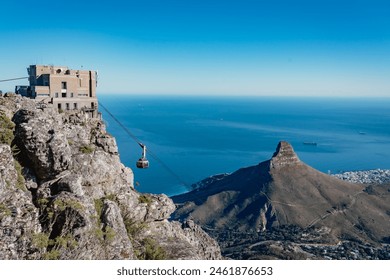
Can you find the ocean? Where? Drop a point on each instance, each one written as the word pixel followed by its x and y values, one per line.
pixel 190 138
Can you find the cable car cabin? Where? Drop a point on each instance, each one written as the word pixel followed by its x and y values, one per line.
pixel 143 162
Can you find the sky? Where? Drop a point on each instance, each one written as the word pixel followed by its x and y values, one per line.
pixel 205 47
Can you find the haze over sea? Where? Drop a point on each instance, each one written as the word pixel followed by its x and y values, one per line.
pixel 201 136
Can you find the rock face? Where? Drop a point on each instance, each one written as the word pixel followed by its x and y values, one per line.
pixel 284 156
pixel 46 148
pixel 284 192
pixel 64 194
pixel 18 215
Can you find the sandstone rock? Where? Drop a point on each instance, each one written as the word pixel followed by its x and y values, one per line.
pixel 284 156
pixel 77 200
pixel 18 215
pixel 161 207
pixel 119 245
pixel 186 241
pixel 201 240
pixel 41 138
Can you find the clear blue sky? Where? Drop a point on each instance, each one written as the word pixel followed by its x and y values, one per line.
pixel 253 47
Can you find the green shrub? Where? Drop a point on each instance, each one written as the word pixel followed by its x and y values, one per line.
pixel 4 211
pixel 52 255
pixel 6 129
pixel 71 203
pixel 152 251
pixel 86 149
pixel 20 183
pixel 98 206
pixel 40 240
pixel 98 232
pixel 64 242
pixel 134 228
pixel 109 233
pixel 6 137
pixel 145 199
pixel 42 201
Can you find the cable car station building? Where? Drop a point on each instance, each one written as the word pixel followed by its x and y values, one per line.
pixel 66 89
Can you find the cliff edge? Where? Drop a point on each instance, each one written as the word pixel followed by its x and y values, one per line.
pixel 64 194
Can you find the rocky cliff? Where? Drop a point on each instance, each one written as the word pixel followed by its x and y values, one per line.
pixel 285 204
pixel 64 194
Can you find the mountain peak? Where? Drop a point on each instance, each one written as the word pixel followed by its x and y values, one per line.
pixel 286 194
pixel 284 155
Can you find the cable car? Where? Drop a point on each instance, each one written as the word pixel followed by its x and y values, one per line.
pixel 143 162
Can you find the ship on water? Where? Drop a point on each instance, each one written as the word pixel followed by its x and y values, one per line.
pixel 310 143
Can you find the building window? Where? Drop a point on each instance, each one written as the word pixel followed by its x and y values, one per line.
pixel 59 106
pixel 71 94
pixel 56 95
pixel 64 94
pixel 67 106
pixel 75 106
pixel 63 85
pixel 45 80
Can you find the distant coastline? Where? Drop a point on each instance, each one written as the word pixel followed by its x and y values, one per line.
pixel 373 176
pixel 189 133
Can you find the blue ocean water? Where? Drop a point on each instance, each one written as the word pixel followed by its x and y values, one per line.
pixel 201 136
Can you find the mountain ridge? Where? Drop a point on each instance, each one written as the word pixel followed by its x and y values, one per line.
pixel 284 191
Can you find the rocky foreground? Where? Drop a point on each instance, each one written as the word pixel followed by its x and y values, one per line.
pixel 64 194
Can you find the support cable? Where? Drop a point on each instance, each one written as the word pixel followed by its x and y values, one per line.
pixel 138 141
pixel 13 79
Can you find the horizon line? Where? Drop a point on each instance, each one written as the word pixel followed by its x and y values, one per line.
pixel 162 94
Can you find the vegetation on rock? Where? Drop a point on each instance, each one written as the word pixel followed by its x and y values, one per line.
pixel 87 149
pixel 144 198
pixel 6 129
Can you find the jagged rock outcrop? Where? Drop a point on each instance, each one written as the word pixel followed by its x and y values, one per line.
pixel 284 156
pixel 72 198
pixel 46 148
pixel 18 215
pixel 283 192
